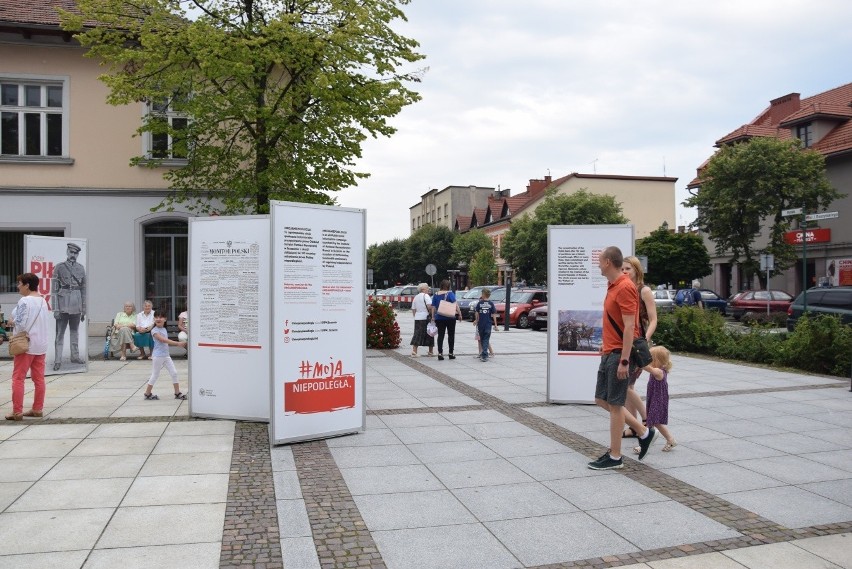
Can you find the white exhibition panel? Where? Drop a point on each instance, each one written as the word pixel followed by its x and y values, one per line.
pixel 42 256
pixel 576 292
pixel 228 320
pixel 318 321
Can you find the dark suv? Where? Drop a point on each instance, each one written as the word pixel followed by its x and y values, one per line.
pixel 821 300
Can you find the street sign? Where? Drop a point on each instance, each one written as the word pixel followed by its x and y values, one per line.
pixel 431 269
pixel 823 215
pixel 767 262
pixel 789 212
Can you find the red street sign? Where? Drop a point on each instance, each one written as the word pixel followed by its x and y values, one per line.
pixel 822 235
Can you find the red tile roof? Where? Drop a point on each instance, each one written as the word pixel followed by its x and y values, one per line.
pixel 38 12
pixel 463 223
pixel 817 111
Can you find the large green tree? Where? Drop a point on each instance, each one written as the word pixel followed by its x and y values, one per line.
pixel 745 187
pixel 525 244
pixel 387 261
pixel 280 93
pixel 431 244
pixel 483 268
pixel 674 257
pixel 466 245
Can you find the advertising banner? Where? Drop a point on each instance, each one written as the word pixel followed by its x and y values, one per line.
pixel 228 320
pixel 839 272
pixel 318 322
pixel 60 263
pixel 576 292
pixel 795 237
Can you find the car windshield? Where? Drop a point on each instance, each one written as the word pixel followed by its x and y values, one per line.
pixel 475 292
pixel 498 295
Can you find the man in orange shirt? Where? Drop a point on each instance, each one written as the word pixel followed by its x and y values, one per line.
pixel 620 326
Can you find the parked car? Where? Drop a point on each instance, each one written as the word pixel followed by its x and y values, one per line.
pixel 664 299
pixel 711 300
pixel 821 300
pixel 538 317
pixel 757 301
pixel 523 300
pixel 466 300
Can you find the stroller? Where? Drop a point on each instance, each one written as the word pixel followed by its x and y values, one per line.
pixel 108 339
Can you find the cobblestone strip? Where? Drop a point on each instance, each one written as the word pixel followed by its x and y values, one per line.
pixel 341 537
pixel 416 410
pixel 756 529
pixel 250 537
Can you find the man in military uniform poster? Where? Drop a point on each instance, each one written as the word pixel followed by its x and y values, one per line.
pixel 69 303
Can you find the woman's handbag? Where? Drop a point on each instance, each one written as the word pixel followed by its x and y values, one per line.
pixel 19 344
pixel 432 329
pixel 447 309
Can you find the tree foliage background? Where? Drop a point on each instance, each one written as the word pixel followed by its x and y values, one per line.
pixel 483 268
pixel 525 244
pixel 281 93
pixel 747 185
pixel 674 258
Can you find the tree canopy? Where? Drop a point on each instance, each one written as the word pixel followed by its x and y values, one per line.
pixel 745 186
pixel 467 245
pixel 431 244
pixel 280 94
pixel 525 244
pixel 483 268
pixel 674 257
pixel 386 260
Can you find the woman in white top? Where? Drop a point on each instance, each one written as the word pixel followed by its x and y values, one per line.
pixel 420 310
pixel 31 315
pixel 142 336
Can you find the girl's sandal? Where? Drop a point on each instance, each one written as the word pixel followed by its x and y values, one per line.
pixel 637 450
pixel 670 445
pixel 180 396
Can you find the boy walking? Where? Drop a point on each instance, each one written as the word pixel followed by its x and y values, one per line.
pixel 160 357
pixel 484 321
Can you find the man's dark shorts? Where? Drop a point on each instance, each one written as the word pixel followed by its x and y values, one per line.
pixel 609 388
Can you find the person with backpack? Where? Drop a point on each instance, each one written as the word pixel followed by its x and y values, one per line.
pixel 693 297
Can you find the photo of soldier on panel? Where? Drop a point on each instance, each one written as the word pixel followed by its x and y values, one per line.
pixel 69 306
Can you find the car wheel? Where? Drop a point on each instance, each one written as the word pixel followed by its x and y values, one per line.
pixel 523 321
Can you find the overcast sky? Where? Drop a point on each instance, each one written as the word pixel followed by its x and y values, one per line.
pixel 519 89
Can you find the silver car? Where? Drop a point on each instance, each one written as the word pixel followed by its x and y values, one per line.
pixel 664 299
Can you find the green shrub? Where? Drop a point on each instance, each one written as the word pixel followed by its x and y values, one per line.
pixel 382 328
pixel 691 329
pixel 756 345
pixel 764 320
pixel 820 344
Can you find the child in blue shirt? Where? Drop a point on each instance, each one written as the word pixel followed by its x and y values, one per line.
pixel 484 321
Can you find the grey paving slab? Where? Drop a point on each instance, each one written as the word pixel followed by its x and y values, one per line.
pixel 194 428
pixel 734 449
pixel 114 446
pixel 794 469
pixel 7 431
pixel 37 449
pixel 525 446
pixel 54 432
pixel 795 443
pixel 837 490
pixel 841 419
pixel 749 411
pixel 185 556
pixel 194 463
pixel 431 434
pixel 448 401
pixel 722 477
pixel 662 524
pixel 206 443
pixel 11 491
pixel 164 525
pixel 293 519
pixel 566 464
pixel 835 435
pixel 122 430
pixel 791 506
pixel 703 561
pixel 456 451
pixel 838 459
pixel 500 430
pixel 26 469
pixel 93 467
pixel 558 538
pixel 299 552
pixel 512 501
pixel 416 420
pixel 412 510
pixel 287 486
pixel 474 417
pixel 282 458
pixel 604 492
pixel 389 479
pixel 478 473
pixel 367 438
pixel 560 411
pixel 740 427
pixel 57 530
pixel 793 423
pixel 384 455
pixel 56 560
pixel 468 546
pixel 72 494
pixel 834 548
pixel 778 556
pixel 179 489
pixel 680 456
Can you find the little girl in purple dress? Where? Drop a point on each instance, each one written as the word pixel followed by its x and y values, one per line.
pixel 657 396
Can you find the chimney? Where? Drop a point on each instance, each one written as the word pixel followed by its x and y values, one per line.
pixel 782 107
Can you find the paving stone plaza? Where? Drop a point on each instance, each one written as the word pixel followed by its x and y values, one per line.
pixel 463 465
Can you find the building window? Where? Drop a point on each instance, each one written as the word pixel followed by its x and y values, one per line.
pixel 166 261
pixel 12 256
pixel 412 225
pixel 33 117
pixel 167 138
pixel 805 133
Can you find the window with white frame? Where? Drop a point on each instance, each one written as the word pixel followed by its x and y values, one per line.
pixel 167 138
pixel 33 117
